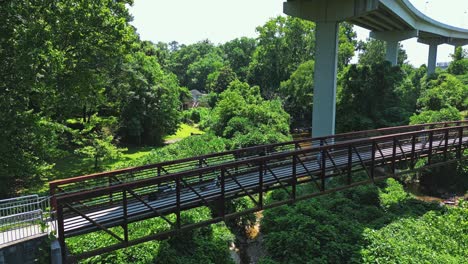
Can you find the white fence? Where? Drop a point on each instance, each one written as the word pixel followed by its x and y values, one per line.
pixel 24 217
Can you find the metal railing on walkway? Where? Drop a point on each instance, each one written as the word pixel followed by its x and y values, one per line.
pixel 24 217
pixel 165 192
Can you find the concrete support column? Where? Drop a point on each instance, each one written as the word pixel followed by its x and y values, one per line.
pixel 432 59
pixel 392 39
pixel 392 51
pixel 55 253
pixel 326 59
pixel 432 56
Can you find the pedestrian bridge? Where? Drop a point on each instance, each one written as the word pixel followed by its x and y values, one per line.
pixel 114 200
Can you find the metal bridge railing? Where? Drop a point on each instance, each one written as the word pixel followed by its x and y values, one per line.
pixel 107 179
pixel 24 217
pixel 120 204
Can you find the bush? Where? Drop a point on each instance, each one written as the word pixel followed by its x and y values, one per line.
pixel 446 114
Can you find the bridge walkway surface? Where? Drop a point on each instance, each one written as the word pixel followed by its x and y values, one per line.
pixel 105 201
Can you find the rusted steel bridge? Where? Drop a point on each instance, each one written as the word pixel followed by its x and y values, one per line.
pixel 114 200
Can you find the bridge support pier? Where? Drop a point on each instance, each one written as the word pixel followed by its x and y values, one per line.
pixel 391 54
pixel 326 59
pixel 432 57
pixel 392 40
pixel 55 252
pixel 326 14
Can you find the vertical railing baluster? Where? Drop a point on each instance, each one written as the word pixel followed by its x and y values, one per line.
pixel 125 214
pixel 350 164
pixel 223 193
pixel 61 232
pixel 429 158
pixel 200 165
pixel 322 169
pixel 178 209
pixel 446 134
pixel 394 155
pixel 413 150
pixel 260 188
pixel 111 199
pixel 294 183
pixel 372 172
pixel 460 140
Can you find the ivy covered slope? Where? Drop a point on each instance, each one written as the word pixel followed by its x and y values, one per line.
pixel 367 224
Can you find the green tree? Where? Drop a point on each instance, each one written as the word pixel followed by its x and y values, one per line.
pixel 182 56
pixel 430 116
pixel 243 116
pixel 297 95
pixel 459 65
pixel 96 140
pixel 198 71
pixel 98 147
pixel 283 44
pixel 347 44
pixel 55 59
pixel 442 91
pixel 369 97
pixel 238 54
pixel 150 107
pixel 286 42
pixel 219 81
pixel 372 51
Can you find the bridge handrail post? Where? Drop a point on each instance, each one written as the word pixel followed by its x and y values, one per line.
pixel 372 172
pixel 260 187
pixel 394 155
pixel 460 140
pixel 350 164
pixel 125 214
pixel 111 198
pixel 178 220
pixel 53 200
pixel 200 165
pixel 446 135
pixel 61 232
pixel 294 183
pixel 323 163
pixel 223 193
pixel 413 150
pixel 431 137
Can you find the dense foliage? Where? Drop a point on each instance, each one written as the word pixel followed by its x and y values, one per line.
pixel 244 117
pixel 365 225
pixel 76 80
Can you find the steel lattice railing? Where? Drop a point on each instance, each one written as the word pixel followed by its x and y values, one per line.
pixel 125 202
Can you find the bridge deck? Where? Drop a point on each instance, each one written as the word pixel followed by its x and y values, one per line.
pixel 100 201
pixel 136 210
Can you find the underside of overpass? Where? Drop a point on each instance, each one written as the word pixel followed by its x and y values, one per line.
pixel 389 20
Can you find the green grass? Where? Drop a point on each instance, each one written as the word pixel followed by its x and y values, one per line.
pixel 183 132
pixel 75 165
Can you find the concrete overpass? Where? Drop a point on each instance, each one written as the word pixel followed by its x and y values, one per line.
pixel 389 20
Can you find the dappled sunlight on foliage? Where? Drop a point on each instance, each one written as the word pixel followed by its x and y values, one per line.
pixel 349 226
